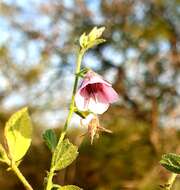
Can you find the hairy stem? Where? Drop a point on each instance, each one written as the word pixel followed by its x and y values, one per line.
pixel 171 181
pixel 71 108
pixel 68 119
pixel 21 177
pixel 49 179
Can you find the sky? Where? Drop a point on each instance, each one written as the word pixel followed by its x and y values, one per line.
pixel 29 55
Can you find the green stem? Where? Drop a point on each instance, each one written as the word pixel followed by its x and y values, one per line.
pixel 71 108
pixel 171 181
pixel 71 111
pixel 49 185
pixel 49 180
pixel 21 177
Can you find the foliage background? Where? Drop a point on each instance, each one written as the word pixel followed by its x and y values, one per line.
pixel 38 45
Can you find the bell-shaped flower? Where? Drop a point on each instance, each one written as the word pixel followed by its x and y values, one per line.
pixel 95 94
pixel 92 122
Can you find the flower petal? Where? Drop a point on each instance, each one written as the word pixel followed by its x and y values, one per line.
pixel 97 107
pixel 110 94
pixel 81 101
pixel 91 78
pixel 95 94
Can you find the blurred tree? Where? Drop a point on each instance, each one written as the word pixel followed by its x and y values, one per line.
pixel 38 43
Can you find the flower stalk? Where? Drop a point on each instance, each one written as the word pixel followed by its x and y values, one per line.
pixel 86 42
pixel 81 52
pixel 71 108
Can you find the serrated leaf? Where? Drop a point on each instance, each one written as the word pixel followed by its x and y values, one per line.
pixel 18 131
pixel 50 139
pixel 70 187
pixel 3 155
pixel 171 162
pixel 64 154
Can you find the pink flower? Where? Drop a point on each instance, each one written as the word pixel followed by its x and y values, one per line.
pixel 95 94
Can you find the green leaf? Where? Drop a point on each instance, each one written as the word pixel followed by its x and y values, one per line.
pixel 18 131
pixel 70 187
pixel 95 43
pixel 67 187
pixel 50 139
pixel 3 155
pixel 171 162
pixel 64 154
